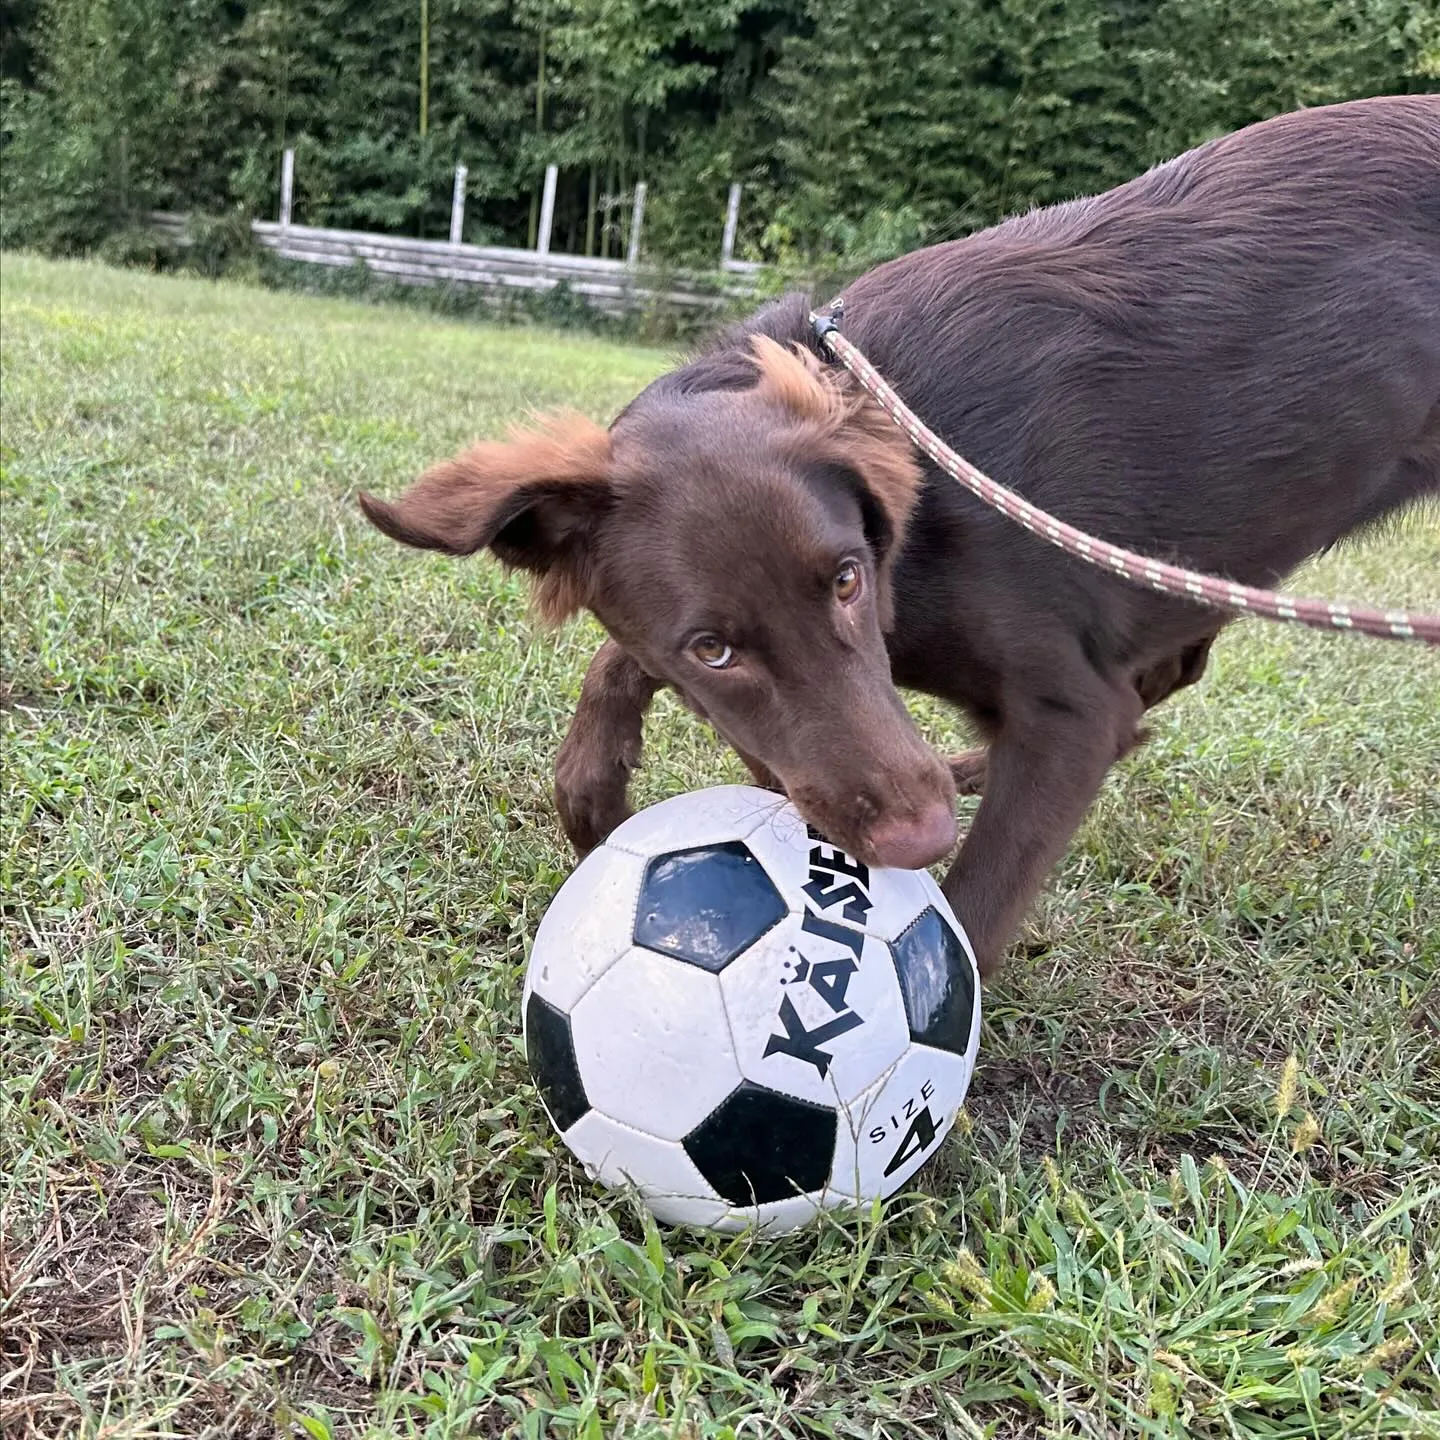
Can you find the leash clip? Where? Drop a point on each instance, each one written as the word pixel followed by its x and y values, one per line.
pixel 828 324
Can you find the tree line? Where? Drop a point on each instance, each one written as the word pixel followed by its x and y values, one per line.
pixel 859 128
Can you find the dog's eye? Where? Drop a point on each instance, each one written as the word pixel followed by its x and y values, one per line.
pixel 847 582
pixel 711 650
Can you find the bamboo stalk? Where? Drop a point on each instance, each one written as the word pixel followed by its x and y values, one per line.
pixel 590 216
pixel 424 67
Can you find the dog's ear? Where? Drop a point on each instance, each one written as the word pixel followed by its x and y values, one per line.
pixel 533 500
pixel 836 421
pixel 793 378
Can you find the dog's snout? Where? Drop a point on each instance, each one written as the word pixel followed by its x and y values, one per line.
pixel 910 842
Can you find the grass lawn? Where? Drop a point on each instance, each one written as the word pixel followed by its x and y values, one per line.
pixel 276 834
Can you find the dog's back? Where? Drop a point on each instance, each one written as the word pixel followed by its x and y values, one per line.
pixel 1235 358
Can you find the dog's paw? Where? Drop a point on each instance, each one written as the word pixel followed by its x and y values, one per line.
pixel 587 818
pixel 591 797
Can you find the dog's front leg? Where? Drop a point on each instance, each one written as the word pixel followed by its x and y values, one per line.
pixel 602 747
pixel 1044 768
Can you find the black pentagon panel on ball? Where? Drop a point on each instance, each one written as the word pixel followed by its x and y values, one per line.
pixel 757 1146
pixel 937 981
pixel 706 906
pixel 550 1052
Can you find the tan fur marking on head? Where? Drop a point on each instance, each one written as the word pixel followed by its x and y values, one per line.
pixel 849 423
pixel 793 378
pixel 852 431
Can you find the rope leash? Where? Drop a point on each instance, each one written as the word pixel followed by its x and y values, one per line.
pixel 1153 574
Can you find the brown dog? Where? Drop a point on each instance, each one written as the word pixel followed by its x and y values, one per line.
pixel 1231 362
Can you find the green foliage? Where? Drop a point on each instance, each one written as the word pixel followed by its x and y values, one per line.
pixel 1221 69
pixel 959 110
pixel 82 156
pixel 855 127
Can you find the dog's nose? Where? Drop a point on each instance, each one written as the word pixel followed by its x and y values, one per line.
pixel 912 842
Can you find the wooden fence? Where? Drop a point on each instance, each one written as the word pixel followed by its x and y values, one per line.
pixel 615 287
pixel 612 286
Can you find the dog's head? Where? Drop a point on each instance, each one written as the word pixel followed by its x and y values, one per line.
pixel 739 543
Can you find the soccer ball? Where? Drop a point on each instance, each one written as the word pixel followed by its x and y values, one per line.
pixel 742 1024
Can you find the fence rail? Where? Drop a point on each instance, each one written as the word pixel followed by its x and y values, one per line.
pixel 615 287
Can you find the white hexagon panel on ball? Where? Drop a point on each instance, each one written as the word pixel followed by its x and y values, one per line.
pixel 587 927
pixel 898 1125
pixel 652 1045
pixel 659 1171
pixel 810 872
pixel 815 1010
pixel 683 822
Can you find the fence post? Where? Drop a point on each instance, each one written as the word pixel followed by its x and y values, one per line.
pixel 547 211
pixel 457 206
pixel 637 216
pixel 732 220
pixel 287 185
